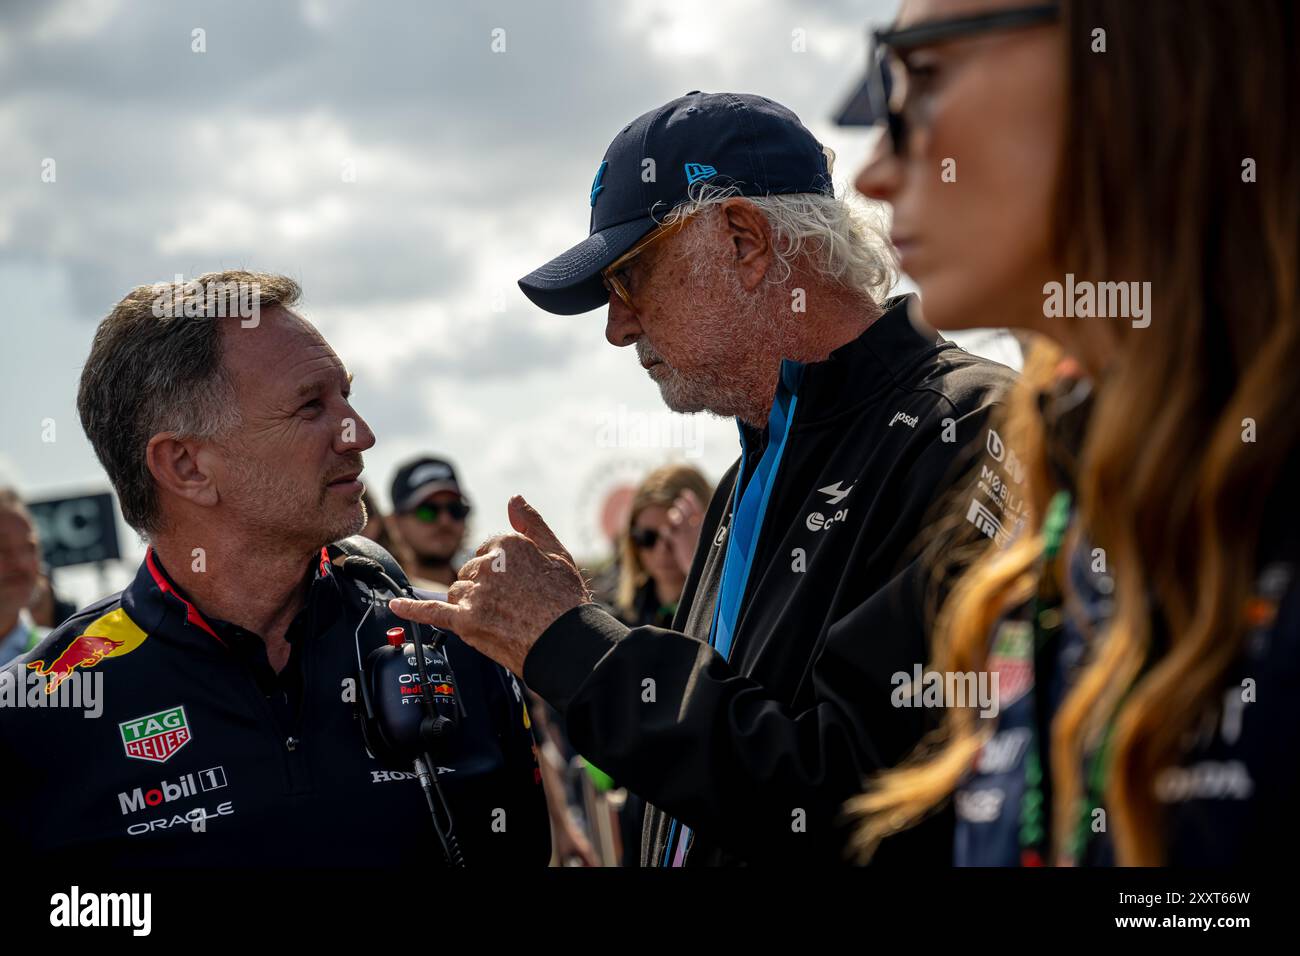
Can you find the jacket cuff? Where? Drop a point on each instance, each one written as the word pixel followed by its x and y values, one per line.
pixel 568 651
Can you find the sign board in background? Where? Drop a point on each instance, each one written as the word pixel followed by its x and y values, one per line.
pixel 80 530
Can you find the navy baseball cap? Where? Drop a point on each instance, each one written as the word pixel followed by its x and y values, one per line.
pixel 727 139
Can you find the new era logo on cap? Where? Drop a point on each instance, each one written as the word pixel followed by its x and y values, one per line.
pixel 697 171
pixel 754 145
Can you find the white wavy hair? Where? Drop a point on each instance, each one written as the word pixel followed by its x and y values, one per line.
pixel 842 240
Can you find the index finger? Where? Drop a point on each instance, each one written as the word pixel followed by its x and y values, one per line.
pixel 438 613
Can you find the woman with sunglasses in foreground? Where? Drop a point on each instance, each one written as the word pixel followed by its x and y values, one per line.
pixel 1122 181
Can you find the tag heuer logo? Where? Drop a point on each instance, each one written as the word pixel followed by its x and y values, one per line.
pixel 155 737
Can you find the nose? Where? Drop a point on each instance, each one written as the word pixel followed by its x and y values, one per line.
pixel 362 437
pixel 621 324
pixel 882 174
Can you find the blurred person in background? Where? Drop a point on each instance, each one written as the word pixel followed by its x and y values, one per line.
pixel 48 608
pixel 429 512
pixel 658 544
pixel 1144 619
pixel 571 829
pixel 604 573
pixel 20 572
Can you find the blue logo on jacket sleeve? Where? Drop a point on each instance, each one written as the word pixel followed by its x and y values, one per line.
pixel 596 187
pixel 697 171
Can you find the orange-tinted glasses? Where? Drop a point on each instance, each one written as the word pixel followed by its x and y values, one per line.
pixel 617 275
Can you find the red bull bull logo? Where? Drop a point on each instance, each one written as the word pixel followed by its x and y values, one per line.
pixel 84 651
pixel 112 635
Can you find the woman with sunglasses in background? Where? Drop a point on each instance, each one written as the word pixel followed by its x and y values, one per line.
pixel 656 550
pixel 1121 180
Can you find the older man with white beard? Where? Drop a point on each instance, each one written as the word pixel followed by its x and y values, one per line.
pixel 749 290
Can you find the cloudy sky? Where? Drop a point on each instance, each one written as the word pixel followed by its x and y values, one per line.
pixel 470 167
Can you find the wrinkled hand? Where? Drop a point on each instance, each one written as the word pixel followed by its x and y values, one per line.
pixel 513 588
pixel 684 520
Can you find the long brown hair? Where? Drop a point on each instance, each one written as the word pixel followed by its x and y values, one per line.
pixel 1181 167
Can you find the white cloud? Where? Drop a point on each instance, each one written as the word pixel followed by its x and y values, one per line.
pixel 74 20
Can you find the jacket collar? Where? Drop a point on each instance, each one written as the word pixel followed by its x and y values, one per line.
pixel 160 607
pixel 855 373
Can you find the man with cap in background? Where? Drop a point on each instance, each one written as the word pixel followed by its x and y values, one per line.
pixel 430 510
pixel 748 290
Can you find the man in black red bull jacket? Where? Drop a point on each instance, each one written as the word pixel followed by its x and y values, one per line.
pixel 211 712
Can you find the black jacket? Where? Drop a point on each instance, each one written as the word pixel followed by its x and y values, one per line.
pixel 204 755
pixel 757 754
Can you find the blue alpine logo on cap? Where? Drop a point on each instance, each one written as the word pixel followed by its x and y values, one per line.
pixel 697 171
pixel 596 187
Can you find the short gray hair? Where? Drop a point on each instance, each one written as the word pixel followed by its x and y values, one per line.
pixel 149 373
pixel 840 239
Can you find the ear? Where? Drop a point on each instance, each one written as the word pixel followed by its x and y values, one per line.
pixel 182 467
pixel 751 235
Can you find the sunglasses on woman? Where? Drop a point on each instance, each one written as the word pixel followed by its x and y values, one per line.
pixel 645 538
pixel 891 87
